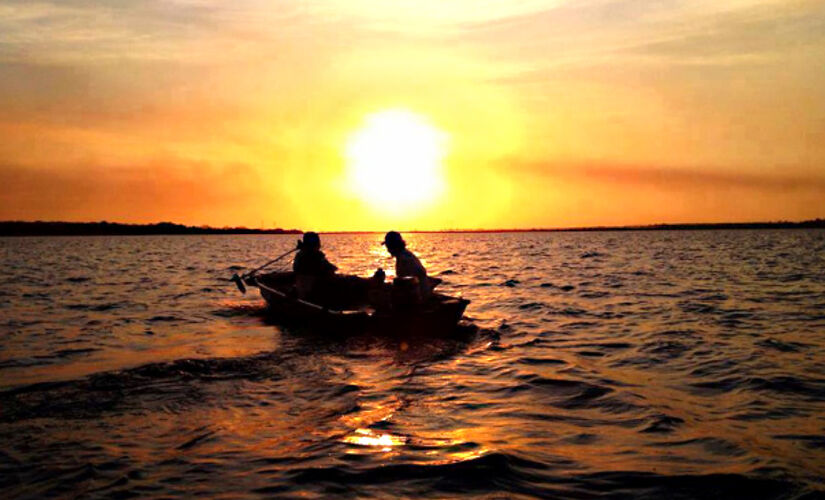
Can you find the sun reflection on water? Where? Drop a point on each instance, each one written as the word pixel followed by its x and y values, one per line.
pixel 369 438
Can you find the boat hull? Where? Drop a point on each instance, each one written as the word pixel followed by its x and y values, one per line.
pixel 439 316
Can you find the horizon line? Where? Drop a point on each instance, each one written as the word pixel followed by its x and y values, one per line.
pixel 6 227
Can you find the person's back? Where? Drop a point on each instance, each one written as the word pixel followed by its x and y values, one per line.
pixel 310 266
pixel 312 262
pixel 407 264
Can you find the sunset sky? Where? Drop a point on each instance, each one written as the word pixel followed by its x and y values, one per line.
pixel 509 114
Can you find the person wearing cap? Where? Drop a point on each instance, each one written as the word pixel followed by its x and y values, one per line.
pixel 311 266
pixel 407 264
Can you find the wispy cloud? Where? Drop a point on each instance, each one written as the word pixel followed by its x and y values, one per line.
pixel 674 178
pixel 671 32
pixel 187 191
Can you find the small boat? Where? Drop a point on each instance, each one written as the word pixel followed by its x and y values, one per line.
pixel 349 304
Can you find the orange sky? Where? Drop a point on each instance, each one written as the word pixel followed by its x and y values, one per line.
pixel 554 113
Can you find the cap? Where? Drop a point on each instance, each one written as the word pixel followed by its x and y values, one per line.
pixel 311 239
pixel 393 238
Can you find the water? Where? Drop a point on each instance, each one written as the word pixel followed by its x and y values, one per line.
pixel 618 365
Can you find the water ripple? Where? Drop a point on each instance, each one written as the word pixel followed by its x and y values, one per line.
pixel 596 365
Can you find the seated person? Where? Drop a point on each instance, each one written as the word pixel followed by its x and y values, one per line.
pixel 311 266
pixel 408 266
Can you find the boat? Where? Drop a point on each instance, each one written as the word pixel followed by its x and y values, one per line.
pixel 353 304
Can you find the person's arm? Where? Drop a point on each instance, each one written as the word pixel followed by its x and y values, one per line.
pixel 326 267
pixel 400 267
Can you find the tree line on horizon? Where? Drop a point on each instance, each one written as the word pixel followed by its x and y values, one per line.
pixel 46 228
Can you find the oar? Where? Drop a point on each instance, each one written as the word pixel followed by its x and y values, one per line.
pixel 239 279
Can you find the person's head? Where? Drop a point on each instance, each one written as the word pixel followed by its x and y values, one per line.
pixel 394 242
pixel 311 241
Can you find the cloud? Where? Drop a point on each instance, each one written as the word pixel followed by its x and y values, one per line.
pixel 612 32
pixel 674 178
pixel 188 192
pixel 191 32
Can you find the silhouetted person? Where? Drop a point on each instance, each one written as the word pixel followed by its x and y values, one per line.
pixel 311 266
pixel 407 265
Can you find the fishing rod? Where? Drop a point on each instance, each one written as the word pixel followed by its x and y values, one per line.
pixel 239 280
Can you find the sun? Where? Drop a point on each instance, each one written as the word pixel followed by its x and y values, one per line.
pixel 395 160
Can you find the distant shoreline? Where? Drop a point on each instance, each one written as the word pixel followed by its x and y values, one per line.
pixel 808 224
pixel 56 228
pixel 103 228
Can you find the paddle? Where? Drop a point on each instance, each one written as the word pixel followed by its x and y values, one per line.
pixel 239 279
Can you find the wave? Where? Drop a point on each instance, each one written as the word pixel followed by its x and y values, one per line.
pixel 783 385
pixel 485 474
pixel 505 473
pixel 90 396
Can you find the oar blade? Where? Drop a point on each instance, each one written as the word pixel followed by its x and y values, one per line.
pixel 239 283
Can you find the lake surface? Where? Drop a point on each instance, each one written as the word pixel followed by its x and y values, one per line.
pixel 605 365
